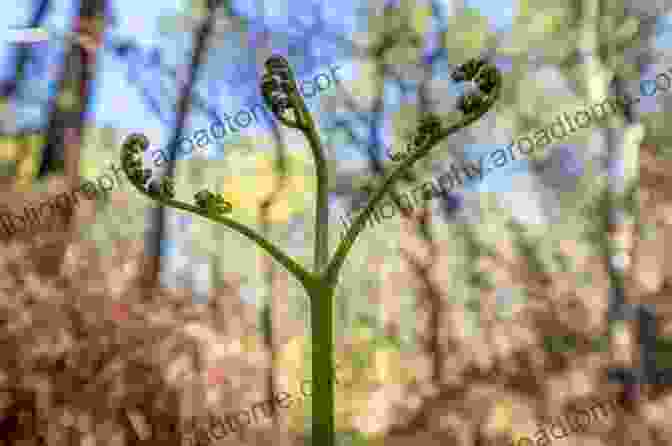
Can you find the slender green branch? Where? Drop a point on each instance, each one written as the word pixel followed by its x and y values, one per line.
pixel 474 107
pixel 282 95
pixel 322 203
pixel 163 193
pixel 308 128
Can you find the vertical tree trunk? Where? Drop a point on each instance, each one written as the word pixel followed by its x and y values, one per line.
pixel 10 86
pixel 641 320
pixel 157 215
pixel 67 114
pixel 646 316
pixel 596 89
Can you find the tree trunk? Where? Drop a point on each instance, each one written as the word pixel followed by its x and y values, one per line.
pixel 8 88
pixel 22 53
pixel 157 215
pixel 61 153
pixel 641 320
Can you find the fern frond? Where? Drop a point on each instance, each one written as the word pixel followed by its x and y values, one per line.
pixel 212 203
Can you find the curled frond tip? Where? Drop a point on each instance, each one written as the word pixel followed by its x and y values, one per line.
pixel 212 203
pixel 278 87
pixel 131 163
pixel 488 79
pixel 485 76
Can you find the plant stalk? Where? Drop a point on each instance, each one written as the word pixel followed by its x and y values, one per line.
pixel 321 322
pixel 321 206
pixel 321 298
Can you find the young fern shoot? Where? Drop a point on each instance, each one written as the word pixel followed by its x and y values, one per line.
pixel 281 95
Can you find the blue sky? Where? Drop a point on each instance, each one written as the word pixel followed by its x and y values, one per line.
pixel 499 13
pixel 118 104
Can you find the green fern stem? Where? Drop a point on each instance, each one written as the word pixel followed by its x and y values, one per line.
pixel 281 95
pixel 322 335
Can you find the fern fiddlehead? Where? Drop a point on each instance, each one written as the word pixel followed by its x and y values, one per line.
pixel 488 80
pixel 278 87
pixel 431 130
pixel 212 203
pixel 208 205
pixel 133 146
pixel 279 90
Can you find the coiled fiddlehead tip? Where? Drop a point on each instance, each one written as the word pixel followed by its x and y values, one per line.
pixel 137 142
pixel 133 145
pixel 279 90
pixel 213 204
pixel 486 76
pixel 273 93
pixel 201 198
pixel 277 62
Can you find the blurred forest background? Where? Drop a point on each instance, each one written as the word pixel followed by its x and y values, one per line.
pixel 494 309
